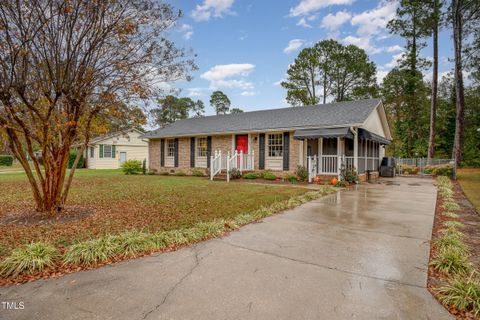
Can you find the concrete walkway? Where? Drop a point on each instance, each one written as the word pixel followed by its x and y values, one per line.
pixel 359 254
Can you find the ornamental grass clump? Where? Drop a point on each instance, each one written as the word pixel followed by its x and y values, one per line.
pixel 133 242
pixel 462 292
pixel 450 206
pixel 92 251
pixel 451 260
pixel 29 259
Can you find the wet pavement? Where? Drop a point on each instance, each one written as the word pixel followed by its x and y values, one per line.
pixel 359 254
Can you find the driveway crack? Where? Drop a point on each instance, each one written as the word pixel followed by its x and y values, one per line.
pixel 175 286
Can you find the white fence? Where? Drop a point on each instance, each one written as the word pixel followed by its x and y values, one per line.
pixel 239 160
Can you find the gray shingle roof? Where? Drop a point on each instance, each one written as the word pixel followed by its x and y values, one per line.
pixel 324 115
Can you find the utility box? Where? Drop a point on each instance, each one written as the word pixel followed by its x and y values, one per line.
pixel 387 167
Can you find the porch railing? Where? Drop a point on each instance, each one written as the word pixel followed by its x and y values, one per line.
pixel 328 165
pixel 215 164
pixel 239 160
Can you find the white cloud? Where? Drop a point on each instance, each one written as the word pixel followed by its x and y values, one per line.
pixel 303 23
pixel 195 92
pixel 293 45
pixel 393 63
pixel 334 21
pixel 220 76
pixel 187 31
pixel 394 48
pixel 247 93
pixel 364 43
pixel 306 7
pixel 211 8
pixel 372 22
pixel 381 74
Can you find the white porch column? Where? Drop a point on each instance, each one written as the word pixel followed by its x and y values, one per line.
pixel 339 155
pixel 355 149
pixel 320 154
pixel 305 145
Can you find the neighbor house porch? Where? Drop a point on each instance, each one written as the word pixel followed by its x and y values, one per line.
pixel 326 151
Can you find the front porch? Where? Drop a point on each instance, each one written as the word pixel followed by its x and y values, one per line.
pixel 327 151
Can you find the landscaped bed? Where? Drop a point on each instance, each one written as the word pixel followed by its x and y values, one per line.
pixel 112 217
pixel 453 276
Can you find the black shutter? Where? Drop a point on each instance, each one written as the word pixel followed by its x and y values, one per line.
pixel 261 149
pixel 175 152
pixel 192 152
pixel 209 150
pixel 162 152
pixel 286 151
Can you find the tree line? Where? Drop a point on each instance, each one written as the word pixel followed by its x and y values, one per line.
pixel 429 118
pixel 172 108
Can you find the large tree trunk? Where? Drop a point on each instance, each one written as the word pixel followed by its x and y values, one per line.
pixel 459 88
pixel 433 103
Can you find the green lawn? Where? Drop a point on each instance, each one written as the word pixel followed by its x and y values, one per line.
pixel 469 179
pixel 125 202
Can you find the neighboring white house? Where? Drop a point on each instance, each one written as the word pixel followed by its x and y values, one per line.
pixel 110 151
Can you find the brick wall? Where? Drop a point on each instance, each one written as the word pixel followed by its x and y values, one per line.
pixel 154 155
pixel 184 153
pixel 223 143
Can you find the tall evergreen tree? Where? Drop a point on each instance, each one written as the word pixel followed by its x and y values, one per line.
pixel 220 102
pixel 412 24
pixel 330 70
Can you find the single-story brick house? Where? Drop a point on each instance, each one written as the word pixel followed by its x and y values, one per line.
pixel 111 150
pixel 349 133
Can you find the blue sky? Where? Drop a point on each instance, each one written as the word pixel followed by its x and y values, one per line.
pixel 244 47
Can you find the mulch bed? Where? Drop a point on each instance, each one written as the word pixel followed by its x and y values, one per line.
pixel 470 218
pixel 29 216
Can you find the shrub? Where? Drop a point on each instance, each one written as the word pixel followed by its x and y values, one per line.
pixel 451 260
pixel 92 251
pixel 463 293
pixel 291 179
pixel 71 159
pixel 341 184
pixel 144 166
pixel 410 169
pixel 132 167
pixel 348 175
pixel 6 160
pixel 33 257
pixel 250 175
pixel 235 173
pixel 180 173
pixel 301 173
pixel 151 172
pixel 267 175
pixel 198 173
pixel 164 173
pixel 443 170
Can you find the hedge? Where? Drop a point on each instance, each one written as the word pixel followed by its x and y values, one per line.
pixel 71 160
pixel 6 160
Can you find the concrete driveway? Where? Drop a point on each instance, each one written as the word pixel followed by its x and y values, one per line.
pixel 359 254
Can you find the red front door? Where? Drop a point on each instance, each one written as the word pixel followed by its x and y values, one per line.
pixel 242 144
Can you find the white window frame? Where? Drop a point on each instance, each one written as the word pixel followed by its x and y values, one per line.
pixel 201 151
pixel 170 145
pixel 278 138
pixel 109 153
